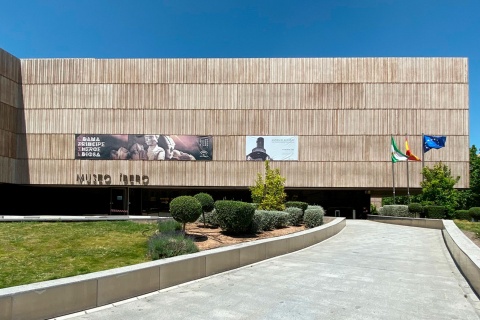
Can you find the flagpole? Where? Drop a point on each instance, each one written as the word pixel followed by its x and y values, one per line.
pixel 393 175
pixel 423 154
pixel 408 178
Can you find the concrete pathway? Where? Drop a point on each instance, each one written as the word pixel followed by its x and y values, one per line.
pixel 370 270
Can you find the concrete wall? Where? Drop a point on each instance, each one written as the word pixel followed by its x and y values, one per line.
pixel 54 298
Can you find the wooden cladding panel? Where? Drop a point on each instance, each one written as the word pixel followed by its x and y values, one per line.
pixel 243 122
pixel 9 92
pixel 8 165
pixel 8 144
pixel 256 70
pixel 10 66
pixel 229 173
pixel 241 96
pixel 8 117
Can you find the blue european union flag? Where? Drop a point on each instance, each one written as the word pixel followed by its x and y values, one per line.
pixel 433 142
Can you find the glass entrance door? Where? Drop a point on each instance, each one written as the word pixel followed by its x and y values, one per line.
pixel 118 201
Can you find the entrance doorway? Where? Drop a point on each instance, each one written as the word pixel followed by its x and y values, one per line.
pixel 118 201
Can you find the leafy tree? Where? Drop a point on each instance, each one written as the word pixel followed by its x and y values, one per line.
pixel 185 209
pixel 474 177
pixel 269 193
pixel 207 203
pixel 437 188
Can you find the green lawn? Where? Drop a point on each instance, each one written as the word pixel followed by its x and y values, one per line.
pixel 468 226
pixel 38 251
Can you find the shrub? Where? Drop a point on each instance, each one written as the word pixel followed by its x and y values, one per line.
pixel 210 218
pixel 280 219
pixel 169 226
pixel 295 216
pixel 297 204
pixel 257 224
pixel 434 212
pixel 185 209
pixel 380 211
pixel 475 213
pixel 206 201
pixel 463 215
pixel 162 246
pixel 415 209
pixel 266 219
pixel 234 216
pixel 396 210
pixel 373 209
pixel 313 218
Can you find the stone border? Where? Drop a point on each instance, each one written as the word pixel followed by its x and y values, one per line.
pixel 465 253
pixel 54 298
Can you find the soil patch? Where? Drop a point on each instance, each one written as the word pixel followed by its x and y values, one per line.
pixel 209 238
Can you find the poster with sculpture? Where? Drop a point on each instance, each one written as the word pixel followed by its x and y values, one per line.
pixel 276 148
pixel 143 147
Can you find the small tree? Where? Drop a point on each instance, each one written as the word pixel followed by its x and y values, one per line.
pixel 437 188
pixel 185 209
pixel 269 194
pixel 207 203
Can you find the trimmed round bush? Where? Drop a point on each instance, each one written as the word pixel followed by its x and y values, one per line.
pixel 205 200
pixel 280 219
pixel 266 219
pixel 297 204
pixel 185 209
pixel 234 216
pixel 415 209
pixel 434 212
pixel 475 213
pixel 295 216
pixel 168 245
pixel 313 218
pixel 463 215
pixel 380 211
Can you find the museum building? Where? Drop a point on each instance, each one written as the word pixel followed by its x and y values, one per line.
pixel 125 136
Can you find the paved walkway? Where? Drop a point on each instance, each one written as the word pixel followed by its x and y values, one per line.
pixel 369 270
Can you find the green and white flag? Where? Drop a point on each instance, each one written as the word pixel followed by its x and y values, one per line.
pixel 397 155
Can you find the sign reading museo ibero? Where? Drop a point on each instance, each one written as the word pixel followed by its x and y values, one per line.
pixel 142 147
pixel 261 148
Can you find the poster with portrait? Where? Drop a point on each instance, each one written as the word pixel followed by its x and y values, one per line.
pixel 143 147
pixel 276 148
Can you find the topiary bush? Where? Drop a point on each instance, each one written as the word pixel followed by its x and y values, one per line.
pixel 295 216
pixel 434 212
pixel 162 246
pixel 280 219
pixel 475 213
pixel 297 204
pixel 463 215
pixel 313 217
pixel 234 216
pixel 415 209
pixel 206 202
pixel 380 211
pixel 185 209
pixel 266 219
pixel 396 210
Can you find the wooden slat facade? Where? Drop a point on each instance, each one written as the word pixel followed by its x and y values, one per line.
pixel 343 111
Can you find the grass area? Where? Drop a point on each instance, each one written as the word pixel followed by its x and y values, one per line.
pixel 38 251
pixel 468 226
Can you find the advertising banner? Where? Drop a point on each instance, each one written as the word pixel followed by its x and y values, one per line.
pixel 277 148
pixel 142 147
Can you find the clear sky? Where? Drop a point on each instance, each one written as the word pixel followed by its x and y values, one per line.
pixel 247 29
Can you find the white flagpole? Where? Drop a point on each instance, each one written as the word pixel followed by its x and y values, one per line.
pixel 423 154
pixel 393 175
pixel 408 177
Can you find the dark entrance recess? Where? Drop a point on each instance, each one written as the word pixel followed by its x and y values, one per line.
pixel 43 200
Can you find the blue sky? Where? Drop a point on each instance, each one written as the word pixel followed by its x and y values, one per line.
pixel 247 28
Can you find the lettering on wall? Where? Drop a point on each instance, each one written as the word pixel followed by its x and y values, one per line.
pixel 106 179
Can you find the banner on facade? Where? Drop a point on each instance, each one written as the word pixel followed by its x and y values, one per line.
pixel 281 148
pixel 142 147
